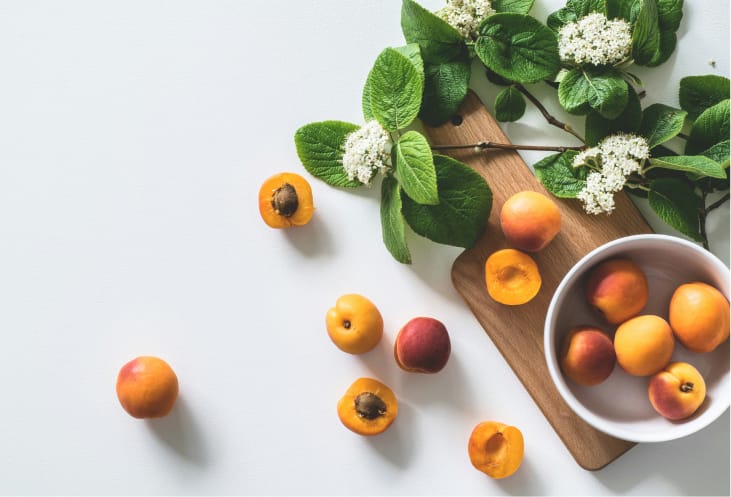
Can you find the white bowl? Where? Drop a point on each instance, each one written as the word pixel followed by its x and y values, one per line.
pixel 620 405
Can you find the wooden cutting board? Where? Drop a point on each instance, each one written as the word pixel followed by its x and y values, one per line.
pixel 517 331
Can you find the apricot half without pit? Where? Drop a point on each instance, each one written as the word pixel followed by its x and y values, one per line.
pixel 512 277
pixel 496 449
pixel 422 346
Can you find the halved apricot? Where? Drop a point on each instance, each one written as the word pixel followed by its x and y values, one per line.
pixel 496 449
pixel 512 277
pixel 368 407
pixel 285 200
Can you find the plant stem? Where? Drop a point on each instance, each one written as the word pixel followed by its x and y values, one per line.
pixel 703 215
pixel 547 115
pixel 505 146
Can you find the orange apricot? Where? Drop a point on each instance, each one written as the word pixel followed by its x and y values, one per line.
pixel 496 449
pixel 644 345
pixel 368 407
pixel 147 387
pixel 285 200
pixel 354 325
pixel 512 277
pixel 699 316
pixel 530 220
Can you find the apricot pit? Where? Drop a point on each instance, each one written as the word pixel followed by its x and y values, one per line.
pixel 285 200
pixel 368 407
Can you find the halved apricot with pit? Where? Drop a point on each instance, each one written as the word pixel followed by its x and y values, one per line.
pixel 285 200
pixel 512 277
pixel 496 449
pixel 368 407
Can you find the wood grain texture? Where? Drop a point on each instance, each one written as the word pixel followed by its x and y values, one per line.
pixel 517 331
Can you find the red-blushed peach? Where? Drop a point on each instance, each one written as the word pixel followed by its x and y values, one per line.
pixel 422 346
pixel 587 355
pixel 618 289
pixel 677 391
pixel 530 220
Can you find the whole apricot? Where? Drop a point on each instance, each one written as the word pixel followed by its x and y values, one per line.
pixel 618 289
pixel 699 316
pixel 644 344
pixel 677 391
pixel 147 387
pixel 496 449
pixel 422 346
pixel 587 355
pixel 355 324
pixel 512 277
pixel 285 200
pixel 530 220
pixel 368 407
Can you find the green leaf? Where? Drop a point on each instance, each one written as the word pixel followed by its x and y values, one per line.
pixel 518 47
pixel 392 221
pixel 645 32
pixel 395 87
pixel 465 201
pixel 438 40
pixel 697 93
pixel 697 165
pixel 669 14
pixel 573 11
pixel 320 148
pixel 598 127
pixel 445 88
pixel 560 18
pixel 711 127
pixel 411 52
pixel 509 105
pixel 675 202
pixel 515 6
pixel 415 168
pixel 601 89
pixel 719 152
pixel 660 123
pixel 623 9
pixel 668 41
pixel 557 173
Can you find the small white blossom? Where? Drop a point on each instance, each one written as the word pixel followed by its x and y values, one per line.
pixel 466 15
pixel 611 161
pixel 366 151
pixel 596 40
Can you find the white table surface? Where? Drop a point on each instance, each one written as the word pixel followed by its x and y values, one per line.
pixel 134 137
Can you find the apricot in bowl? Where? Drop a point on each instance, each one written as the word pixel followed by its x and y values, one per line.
pixel 620 405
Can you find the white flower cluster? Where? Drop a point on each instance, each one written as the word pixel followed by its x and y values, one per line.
pixel 611 161
pixel 596 40
pixel 466 15
pixel 366 151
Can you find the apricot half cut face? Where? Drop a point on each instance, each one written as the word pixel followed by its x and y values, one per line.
pixel 496 449
pixel 285 200
pixel 368 407
pixel 512 277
